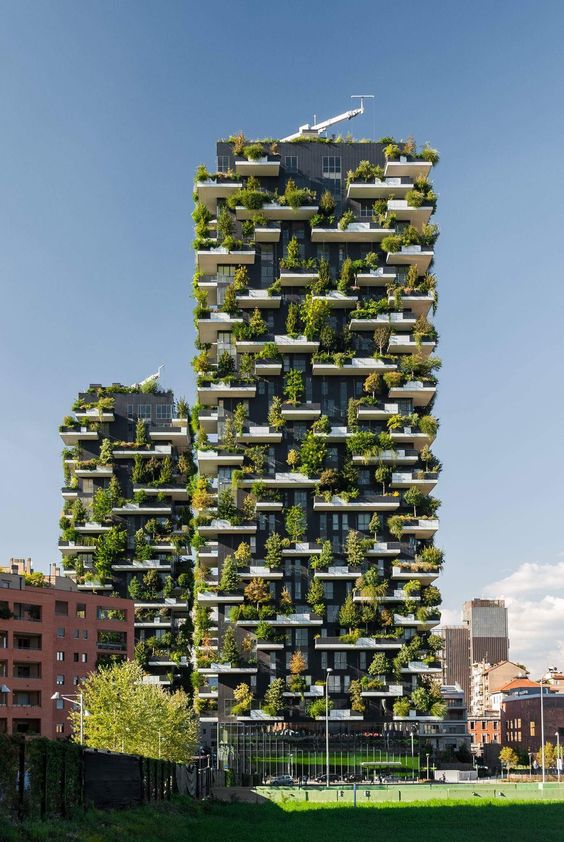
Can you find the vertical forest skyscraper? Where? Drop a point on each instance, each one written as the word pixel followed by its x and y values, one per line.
pixel 316 369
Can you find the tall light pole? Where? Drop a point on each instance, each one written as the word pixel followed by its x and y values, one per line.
pixel 558 759
pixel 75 700
pixel 329 670
pixel 412 734
pixel 542 732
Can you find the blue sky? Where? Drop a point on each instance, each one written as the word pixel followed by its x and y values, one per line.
pixel 107 108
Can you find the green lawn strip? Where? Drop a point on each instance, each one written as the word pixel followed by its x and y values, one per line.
pixel 447 821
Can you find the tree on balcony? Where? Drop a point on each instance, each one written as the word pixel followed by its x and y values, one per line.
pixel 319 707
pixel 273 546
pixel 142 547
pixel 110 548
pixel 240 416
pixel 230 580
pixel 355 548
pixel 373 383
pixel 381 336
pixel 141 439
pixel 273 703
pixel 275 419
pixel 293 386
pixel 202 499
pixel 285 602
pixel 292 261
pixel 355 693
pixel 315 315
pixel 295 523
pixel 324 559
pixel 257 592
pixel 293 320
pixel 243 696
pixel 324 281
pixel 315 597
pixel 379 665
pixel 105 456
pixel 347 277
pixel 229 652
pixel 243 555
pixel 348 614
pixel 313 453
pixel 414 497
pixel 352 414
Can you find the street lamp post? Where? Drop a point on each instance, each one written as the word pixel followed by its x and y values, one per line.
pixel 428 772
pixel 75 700
pixel 542 732
pixel 558 759
pixel 329 670
pixel 412 735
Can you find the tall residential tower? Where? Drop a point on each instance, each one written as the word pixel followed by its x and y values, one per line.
pixel 314 426
pixel 125 519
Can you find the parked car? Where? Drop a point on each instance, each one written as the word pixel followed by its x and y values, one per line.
pixel 282 780
pixel 321 779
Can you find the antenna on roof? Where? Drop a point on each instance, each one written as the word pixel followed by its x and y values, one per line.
pixel 318 128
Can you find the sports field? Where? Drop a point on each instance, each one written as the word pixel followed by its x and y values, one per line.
pixel 431 821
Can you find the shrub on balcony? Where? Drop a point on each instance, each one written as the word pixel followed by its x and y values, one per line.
pixel 324 559
pixel 429 154
pixel 352 414
pixel 432 556
pixel 392 151
pixel 285 602
pixel 252 330
pixel 401 707
pixel 366 171
pixel 229 653
pixel 226 508
pixel 254 151
pixel 319 707
pixel 393 379
pixel 346 220
pixel 363 443
pixel 273 703
pixel 295 197
pixel 429 425
pixel 392 243
pixel 431 596
pixel 321 425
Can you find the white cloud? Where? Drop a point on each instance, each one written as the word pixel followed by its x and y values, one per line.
pixel 534 595
pixel 530 576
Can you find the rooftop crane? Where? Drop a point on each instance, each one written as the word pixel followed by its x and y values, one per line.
pixel 318 128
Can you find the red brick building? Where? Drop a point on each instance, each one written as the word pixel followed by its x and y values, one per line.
pixel 484 730
pixel 50 638
pixel 521 718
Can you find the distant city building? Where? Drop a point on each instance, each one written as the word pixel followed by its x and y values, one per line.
pixel 456 657
pixel 484 731
pixel 485 682
pixel 50 638
pixel 486 620
pixel 555 679
pixel 521 716
pixel 452 732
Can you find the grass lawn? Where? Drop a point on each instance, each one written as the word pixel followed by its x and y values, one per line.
pixel 195 822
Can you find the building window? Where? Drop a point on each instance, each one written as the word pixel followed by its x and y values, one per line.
pixel 164 411
pixel 266 265
pixel 144 411
pixel 60 656
pixel 59 704
pixel 223 163
pixel 331 166
pixel 84 658
pixel 60 632
pixel 76 680
pixel 81 610
pixel 59 729
pixel 60 679
pixel 61 608
pixel 533 728
pixel 340 660
pixel 328 589
pixel 85 634
pixel 363 521
pixel 291 163
pixel 75 657
pixel 76 633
